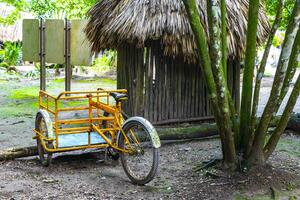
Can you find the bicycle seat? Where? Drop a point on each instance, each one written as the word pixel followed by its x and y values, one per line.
pixel 118 96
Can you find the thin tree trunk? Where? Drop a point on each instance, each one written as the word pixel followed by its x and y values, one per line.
pixel 203 49
pixel 224 37
pixel 270 146
pixel 213 11
pixel 290 72
pixel 260 74
pixel 256 154
pixel 245 118
pixel 233 112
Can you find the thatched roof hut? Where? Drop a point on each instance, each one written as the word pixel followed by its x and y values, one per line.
pixel 112 22
pixel 157 54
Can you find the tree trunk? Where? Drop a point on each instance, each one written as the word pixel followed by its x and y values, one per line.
pixel 203 50
pixel 269 148
pixel 261 131
pixel 213 11
pixel 210 78
pixel 291 69
pixel 213 66
pixel 260 74
pixel 224 37
pixel 13 153
pixel 245 117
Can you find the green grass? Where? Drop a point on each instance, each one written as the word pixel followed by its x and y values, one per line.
pixel 21 98
pixel 28 108
pixel 75 103
pixel 25 93
pixel 268 74
pixel 102 81
pixel 58 80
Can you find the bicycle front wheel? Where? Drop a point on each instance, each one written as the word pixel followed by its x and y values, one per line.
pixel 141 163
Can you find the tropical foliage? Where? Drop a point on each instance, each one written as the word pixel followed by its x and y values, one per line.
pixel 286 11
pixel 59 9
pixel 18 5
pixel 10 55
pixel 106 62
pixel 72 9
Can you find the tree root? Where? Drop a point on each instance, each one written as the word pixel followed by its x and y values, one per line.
pixel 206 164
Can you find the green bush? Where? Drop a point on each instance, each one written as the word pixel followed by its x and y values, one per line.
pixel 10 55
pixel 107 62
pixel 34 73
pixel 276 42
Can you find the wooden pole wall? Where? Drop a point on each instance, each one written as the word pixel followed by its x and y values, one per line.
pixel 166 89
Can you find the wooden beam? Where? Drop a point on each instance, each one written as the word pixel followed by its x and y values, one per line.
pixel 174 121
pixel 68 67
pixel 42 56
pixel 10 154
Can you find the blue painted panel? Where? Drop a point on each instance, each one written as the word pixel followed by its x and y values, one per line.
pixel 80 139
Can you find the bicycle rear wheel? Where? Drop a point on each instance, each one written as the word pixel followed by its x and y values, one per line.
pixel 40 125
pixel 141 164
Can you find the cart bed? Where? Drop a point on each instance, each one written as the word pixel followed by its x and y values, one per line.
pixel 79 139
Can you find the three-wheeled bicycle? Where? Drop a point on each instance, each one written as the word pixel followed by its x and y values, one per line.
pixel 93 119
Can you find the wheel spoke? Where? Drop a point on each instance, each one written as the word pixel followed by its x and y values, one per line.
pixel 139 164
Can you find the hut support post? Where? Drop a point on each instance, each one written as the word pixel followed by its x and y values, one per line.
pixel 68 67
pixel 42 56
pixel 237 80
pixel 139 67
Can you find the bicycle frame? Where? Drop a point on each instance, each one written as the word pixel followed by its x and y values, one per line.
pixel 54 106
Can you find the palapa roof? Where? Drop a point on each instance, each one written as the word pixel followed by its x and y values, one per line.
pixel 113 22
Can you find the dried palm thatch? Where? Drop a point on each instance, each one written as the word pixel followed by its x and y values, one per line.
pixel 113 22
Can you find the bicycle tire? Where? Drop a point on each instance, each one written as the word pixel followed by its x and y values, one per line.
pixel 45 160
pixel 155 152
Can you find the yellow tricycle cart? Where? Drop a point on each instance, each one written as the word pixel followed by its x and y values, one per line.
pixel 88 119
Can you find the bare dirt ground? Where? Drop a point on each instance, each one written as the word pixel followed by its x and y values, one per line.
pixel 85 176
